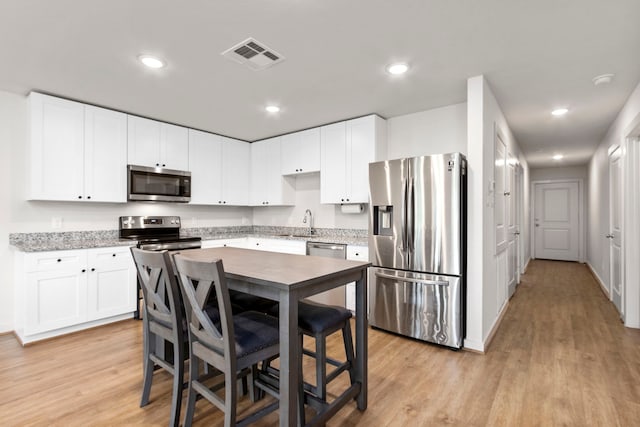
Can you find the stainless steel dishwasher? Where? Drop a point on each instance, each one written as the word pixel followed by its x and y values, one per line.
pixel 329 250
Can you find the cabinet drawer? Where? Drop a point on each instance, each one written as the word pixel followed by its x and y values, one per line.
pixel 58 260
pixel 358 253
pixel 106 257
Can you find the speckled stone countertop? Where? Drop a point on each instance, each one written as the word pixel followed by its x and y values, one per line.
pixel 40 242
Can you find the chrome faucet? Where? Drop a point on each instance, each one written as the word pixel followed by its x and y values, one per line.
pixel 308 219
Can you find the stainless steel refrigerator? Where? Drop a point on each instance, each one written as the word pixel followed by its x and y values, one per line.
pixel 417 245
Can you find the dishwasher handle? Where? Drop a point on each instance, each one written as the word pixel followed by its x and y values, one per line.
pixel 327 246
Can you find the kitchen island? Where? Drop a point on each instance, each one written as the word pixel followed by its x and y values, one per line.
pixel 288 278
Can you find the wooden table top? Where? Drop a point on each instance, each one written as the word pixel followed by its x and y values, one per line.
pixel 276 269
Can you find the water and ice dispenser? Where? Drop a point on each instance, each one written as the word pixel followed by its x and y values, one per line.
pixel 383 220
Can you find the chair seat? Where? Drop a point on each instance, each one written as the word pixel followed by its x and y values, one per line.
pixel 254 331
pixel 315 318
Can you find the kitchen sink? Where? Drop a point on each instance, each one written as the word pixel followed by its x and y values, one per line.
pixel 293 235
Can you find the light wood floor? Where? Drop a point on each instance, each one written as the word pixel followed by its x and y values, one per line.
pixel 560 357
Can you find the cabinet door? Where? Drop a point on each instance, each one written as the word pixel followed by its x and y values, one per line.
pixel 144 141
pixel 361 148
pixel 55 299
pixel 105 164
pixel 236 158
pixel 205 160
pixel 56 148
pixel 301 152
pixel 174 147
pixel 111 286
pixel 259 173
pixel 356 253
pixel 333 139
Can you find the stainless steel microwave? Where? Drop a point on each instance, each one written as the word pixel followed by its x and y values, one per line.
pixel 158 184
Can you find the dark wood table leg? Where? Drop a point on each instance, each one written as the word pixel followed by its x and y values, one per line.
pixel 362 326
pixel 289 359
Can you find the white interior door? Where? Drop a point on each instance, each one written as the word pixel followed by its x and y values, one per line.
pixel 511 192
pixel 557 221
pixel 615 229
pixel 500 195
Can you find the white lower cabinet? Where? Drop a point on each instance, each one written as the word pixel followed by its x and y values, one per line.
pixel 64 291
pixel 231 243
pixel 296 247
pixel 355 253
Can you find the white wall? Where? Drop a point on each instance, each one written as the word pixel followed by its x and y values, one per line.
pixel 598 221
pixel 436 131
pixel 560 172
pixel 12 134
pixel 308 197
pixel 485 118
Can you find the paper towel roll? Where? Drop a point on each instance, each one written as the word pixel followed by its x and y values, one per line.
pixel 351 209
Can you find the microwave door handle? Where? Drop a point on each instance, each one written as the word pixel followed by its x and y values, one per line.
pixel 404 279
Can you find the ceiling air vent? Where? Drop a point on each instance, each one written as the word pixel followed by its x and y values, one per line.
pixel 253 54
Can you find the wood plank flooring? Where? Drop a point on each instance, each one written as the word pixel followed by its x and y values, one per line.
pixel 560 357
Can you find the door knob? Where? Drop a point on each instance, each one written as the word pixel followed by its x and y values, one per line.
pixel 609 236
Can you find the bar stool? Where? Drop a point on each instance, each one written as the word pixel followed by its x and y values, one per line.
pixel 320 321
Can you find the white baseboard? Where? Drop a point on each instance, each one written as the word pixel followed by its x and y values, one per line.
pixel 599 280
pixel 473 345
pixel 5 328
pixel 482 346
pixel 526 265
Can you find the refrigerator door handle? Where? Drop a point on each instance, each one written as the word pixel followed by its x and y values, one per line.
pixel 403 230
pixel 402 279
pixel 411 217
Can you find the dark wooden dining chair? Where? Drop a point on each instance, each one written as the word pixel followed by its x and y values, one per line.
pixel 233 344
pixel 162 321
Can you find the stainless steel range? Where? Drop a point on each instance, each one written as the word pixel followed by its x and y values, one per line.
pixel 155 233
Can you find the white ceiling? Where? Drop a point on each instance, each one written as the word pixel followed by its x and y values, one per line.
pixel 536 55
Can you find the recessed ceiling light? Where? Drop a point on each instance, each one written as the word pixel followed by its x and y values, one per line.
pixel 398 68
pixel 151 61
pixel 557 157
pixel 602 79
pixel 560 111
pixel 272 108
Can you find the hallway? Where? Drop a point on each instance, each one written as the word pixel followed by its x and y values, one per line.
pixel 570 360
pixel 560 357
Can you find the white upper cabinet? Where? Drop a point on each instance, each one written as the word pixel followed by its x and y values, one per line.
pixel 346 150
pixel 77 152
pixel 205 157
pixel 219 169
pixel 158 144
pixel 105 166
pixel 268 186
pixel 301 152
pixel 236 163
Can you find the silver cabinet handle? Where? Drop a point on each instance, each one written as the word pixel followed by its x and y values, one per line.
pixel 609 236
pixel 402 279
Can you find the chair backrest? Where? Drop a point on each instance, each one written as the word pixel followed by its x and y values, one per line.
pixel 198 280
pixel 160 290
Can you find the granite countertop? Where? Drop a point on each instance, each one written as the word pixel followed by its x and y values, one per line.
pixel 41 242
